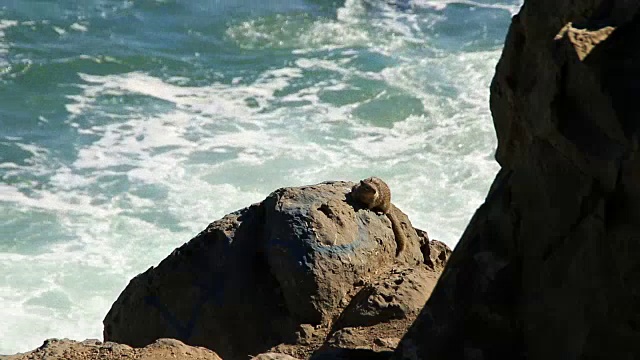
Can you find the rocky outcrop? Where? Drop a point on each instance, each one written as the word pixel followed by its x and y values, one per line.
pixel 284 275
pixel 549 266
pixel 162 349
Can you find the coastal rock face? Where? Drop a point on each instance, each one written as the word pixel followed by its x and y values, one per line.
pixel 276 276
pixel 162 349
pixel 549 266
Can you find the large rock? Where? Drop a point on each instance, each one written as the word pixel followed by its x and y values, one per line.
pixel 276 275
pixel 549 266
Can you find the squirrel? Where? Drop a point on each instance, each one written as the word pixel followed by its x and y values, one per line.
pixel 376 195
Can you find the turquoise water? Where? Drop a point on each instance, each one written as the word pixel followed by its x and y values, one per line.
pixel 127 126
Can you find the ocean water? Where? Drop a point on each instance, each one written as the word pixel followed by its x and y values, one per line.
pixel 127 126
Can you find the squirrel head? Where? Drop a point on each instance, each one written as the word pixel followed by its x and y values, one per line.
pixel 366 191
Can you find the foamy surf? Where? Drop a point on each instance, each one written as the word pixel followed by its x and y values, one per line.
pixel 118 146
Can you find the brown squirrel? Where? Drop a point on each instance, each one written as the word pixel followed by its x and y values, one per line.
pixel 376 195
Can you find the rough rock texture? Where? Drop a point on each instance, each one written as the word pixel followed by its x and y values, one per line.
pixel 370 327
pixel 398 295
pixel 549 266
pixel 162 349
pixel 277 275
pixel 435 252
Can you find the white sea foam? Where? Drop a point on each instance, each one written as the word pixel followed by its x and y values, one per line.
pixel 217 119
pixel 59 30
pixel 66 291
pixel 79 27
pixel 512 6
pixel 4 47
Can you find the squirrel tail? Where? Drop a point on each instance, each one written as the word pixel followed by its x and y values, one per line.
pixel 398 232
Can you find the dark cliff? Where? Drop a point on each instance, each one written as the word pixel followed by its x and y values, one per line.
pixel 549 266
